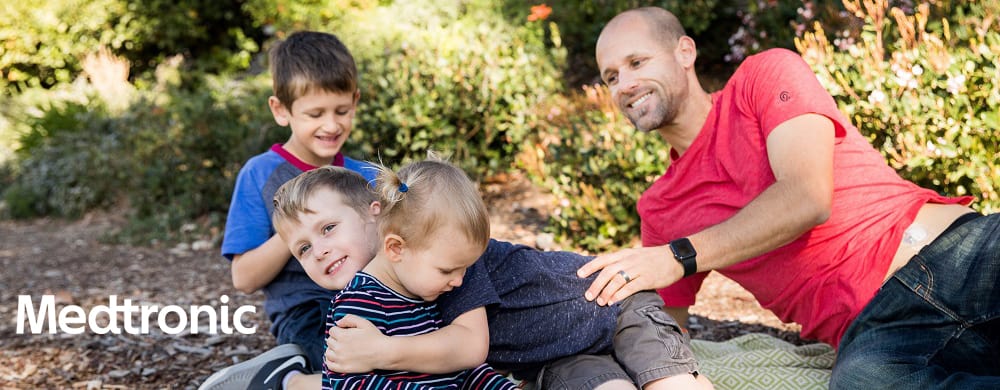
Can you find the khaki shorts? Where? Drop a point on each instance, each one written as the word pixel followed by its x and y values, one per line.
pixel 648 344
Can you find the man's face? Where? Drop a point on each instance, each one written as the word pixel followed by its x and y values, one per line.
pixel 647 83
pixel 331 239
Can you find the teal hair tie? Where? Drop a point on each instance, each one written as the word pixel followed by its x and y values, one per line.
pixel 403 187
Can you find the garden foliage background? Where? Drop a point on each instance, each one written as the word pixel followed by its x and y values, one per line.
pixel 151 107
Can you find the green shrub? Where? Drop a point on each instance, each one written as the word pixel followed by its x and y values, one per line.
pixel 184 158
pixel 710 22
pixel 597 165
pixel 170 159
pixel 927 100
pixel 216 36
pixel 284 16
pixel 189 149
pixel 44 42
pixel 73 169
pixel 451 76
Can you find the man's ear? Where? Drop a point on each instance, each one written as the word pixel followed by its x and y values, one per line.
pixel 686 52
pixel 374 209
pixel 393 246
pixel 278 110
pixel 357 96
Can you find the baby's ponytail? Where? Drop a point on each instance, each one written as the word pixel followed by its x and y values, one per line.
pixel 389 187
pixel 425 195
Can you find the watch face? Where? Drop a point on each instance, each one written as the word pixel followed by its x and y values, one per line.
pixel 682 248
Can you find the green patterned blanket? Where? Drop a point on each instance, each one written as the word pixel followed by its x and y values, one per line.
pixel 759 361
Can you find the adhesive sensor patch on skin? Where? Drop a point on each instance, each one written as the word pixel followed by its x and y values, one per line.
pixel 915 235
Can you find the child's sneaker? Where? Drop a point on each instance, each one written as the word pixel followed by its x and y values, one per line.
pixel 262 372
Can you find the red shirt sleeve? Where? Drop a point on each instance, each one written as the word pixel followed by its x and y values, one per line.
pixel 798 92
pixel 684 291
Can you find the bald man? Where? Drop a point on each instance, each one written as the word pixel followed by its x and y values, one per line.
pixel 770 185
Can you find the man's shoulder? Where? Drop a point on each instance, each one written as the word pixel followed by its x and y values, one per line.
pixel 770 60
pixel 766 69
pixel 775 54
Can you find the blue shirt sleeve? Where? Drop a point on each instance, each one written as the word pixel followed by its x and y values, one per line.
pixel 364 168
pixel 248 224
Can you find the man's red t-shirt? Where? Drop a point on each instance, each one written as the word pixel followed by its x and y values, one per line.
pixel 824 278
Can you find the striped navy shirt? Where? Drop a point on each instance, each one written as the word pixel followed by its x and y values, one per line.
pixel 397 315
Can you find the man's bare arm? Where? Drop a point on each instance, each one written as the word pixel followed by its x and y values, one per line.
pixel 801 155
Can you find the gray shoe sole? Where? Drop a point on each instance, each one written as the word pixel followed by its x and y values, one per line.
pixel 238 376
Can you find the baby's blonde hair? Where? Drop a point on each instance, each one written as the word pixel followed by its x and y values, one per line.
pixel 424 196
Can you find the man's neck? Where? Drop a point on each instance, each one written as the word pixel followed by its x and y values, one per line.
pixel 681 133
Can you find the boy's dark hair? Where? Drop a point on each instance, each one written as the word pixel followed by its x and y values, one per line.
pixel 309 60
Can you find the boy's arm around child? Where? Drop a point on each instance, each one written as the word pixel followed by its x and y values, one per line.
pixel 460 345
pixel 355 345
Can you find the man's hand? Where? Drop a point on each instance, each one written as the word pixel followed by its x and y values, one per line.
pixel 355 346
pixel 645 268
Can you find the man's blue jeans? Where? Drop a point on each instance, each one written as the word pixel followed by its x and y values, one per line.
pixel 936 323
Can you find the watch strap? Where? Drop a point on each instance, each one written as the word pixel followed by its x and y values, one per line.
pixel 685 254
pixel 690 266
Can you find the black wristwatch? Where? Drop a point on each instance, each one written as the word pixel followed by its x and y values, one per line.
pixel 685 254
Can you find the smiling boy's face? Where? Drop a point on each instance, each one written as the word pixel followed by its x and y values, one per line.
pixel 320 121
pixel 331 239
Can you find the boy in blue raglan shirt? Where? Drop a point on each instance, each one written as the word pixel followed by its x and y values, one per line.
pixel 315 87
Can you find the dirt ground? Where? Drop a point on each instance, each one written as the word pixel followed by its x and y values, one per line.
pixel 69 261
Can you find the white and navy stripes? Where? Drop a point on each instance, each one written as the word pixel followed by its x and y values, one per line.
pixel 397 315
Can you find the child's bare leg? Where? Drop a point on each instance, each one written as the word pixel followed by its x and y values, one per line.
pixel 305 382
pixel 685 381
pixel 705 383
pixel 616 384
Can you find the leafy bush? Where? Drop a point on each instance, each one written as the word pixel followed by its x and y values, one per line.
pixel 44 42
pixel 170 159
pixel 711 22
pixel 189 149
pixel 71 167
pixel 928 100
pixel 597 165
pixel 284 16
pixel 451 76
